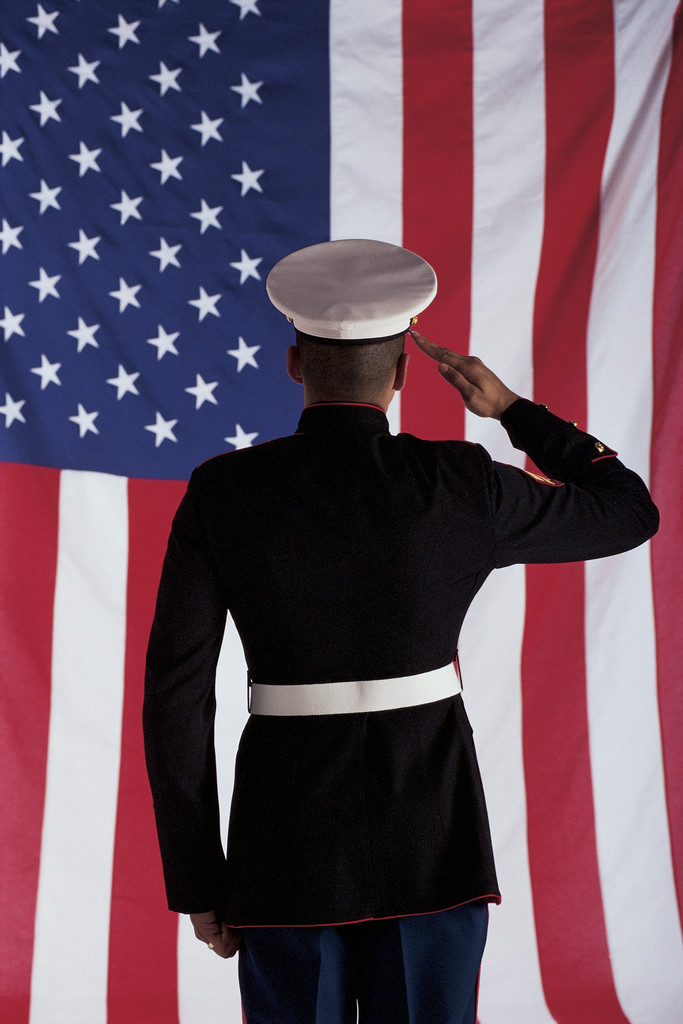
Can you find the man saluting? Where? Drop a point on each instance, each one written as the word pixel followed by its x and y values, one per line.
pixel 359 863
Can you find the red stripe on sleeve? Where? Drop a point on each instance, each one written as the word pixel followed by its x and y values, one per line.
pixel 437 196
pixel 29 516
pixel 667 444
pixel 572 941
pixel 143 935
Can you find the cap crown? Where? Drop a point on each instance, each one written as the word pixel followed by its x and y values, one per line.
pixel 351 289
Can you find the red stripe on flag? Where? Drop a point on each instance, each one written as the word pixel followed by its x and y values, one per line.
pixel 667 444
pixel 143 938
pixel 29 515
pixel 437 195
pixel 572 941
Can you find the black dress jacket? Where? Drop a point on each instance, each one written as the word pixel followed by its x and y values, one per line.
pixel 344 552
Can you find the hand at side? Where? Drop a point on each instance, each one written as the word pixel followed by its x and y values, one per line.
pixel 215 933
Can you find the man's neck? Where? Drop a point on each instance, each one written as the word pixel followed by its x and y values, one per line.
pixel 380 401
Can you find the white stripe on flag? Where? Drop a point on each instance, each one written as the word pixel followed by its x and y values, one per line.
pixel 631 818
pixel 70 965
pixel 509 170
pixel 206 982
pixel 366 112
pixel 509 175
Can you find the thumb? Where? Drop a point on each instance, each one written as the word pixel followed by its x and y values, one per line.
pixel 457 381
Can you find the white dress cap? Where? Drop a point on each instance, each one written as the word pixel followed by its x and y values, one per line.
pixel 351 289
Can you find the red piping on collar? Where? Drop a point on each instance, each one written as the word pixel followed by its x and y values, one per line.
pixel 362 405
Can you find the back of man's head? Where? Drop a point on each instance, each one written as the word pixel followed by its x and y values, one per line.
pixel 355 371
pixel 351 302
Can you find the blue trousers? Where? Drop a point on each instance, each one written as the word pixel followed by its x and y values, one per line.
pixel 405 970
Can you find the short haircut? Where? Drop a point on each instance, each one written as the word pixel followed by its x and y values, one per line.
pixel 349 370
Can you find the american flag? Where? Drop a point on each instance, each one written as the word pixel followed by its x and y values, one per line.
pixel 157 157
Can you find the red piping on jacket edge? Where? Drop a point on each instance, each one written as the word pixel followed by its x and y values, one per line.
pixel 490 898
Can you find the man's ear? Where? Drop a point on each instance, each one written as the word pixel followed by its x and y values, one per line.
pixel 401 371
pixel 293 365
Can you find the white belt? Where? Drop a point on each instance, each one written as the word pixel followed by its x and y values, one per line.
pixel 353 697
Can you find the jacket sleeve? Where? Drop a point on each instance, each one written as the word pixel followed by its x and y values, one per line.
pixel 591 507
pixel 178 716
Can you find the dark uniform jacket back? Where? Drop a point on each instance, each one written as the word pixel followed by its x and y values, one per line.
pixel 343 552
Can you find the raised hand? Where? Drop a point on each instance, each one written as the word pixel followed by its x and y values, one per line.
pixel 483 393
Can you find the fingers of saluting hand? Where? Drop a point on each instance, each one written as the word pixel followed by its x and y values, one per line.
pixel 460 371
pixel 481 391
pixel 216 934
pixel 437 352
pixel 469 367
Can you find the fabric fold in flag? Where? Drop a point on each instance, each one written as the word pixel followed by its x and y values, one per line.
pixel 156 161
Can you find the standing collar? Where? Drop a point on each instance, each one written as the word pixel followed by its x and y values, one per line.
pixel 339 416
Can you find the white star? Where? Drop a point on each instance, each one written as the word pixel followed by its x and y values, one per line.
pixel 86 159
pixel 166 78
pixel 10 236
pixel 128 119
pixel 47 372
pixel 168 167
pixel 10 149
pixel 246 7
pixel 46 285
pixel 166 254
pixel 85 71
pixel 203 392
pixel 47 109
pixel 241 440
pixel 248 90
pixel 125 31
pixel 164 342
pixel 205 40
pixel 248 179
pixel 47 196
pixel 244 355
pixel 208 216
pixel 12 410
pixel 85 246
pixel 124 383
pixel 208 128
pixel 85 421
pixel 44 22
pixel 162 2
pixel 8 61
pixel 206 303
pixel 127 207
pixel 162 430
pixel 247 267
pixel 126 295
pixel 11 323
pixel 84 334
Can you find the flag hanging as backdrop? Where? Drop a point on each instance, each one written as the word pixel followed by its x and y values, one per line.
pixel 157 157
